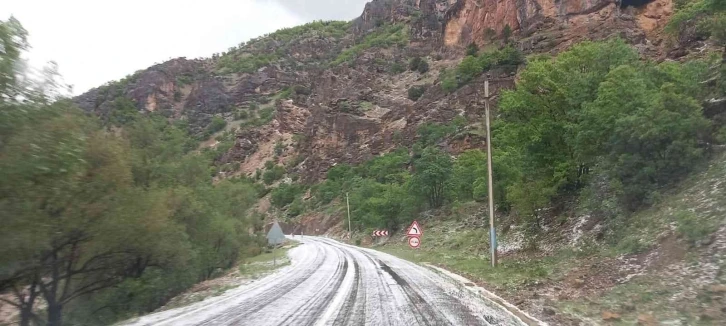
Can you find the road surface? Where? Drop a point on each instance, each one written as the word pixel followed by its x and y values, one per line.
pixel 330 283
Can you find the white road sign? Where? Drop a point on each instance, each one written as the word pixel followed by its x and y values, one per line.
pixel 414 242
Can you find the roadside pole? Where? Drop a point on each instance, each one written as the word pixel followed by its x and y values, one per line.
pixel 350 228
pixel 274 258
pixel 492 231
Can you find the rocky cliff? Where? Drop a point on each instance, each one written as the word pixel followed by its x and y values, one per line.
pixel 335 92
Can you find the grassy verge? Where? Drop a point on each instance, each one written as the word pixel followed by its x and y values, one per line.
pixel 467 253
pixel 667 265
pixel 268 261
pixel 250 269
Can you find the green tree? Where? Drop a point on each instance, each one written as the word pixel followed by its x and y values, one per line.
pixel 274 174
pixel 123 112
pixel 285 194
pixel 377 205
pixel 432 133
pixel 540 117
pixel 431 177
pixel 506 33
pixel 14 39
pixel 217 124
pixel 468 69
pixel 472 49
pixel 469 177
pixel 389 168
pixel 415 92
pixel 66 219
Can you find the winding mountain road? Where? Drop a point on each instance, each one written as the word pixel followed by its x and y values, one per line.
pixel 330 283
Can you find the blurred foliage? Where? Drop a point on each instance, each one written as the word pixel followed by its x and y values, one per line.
pixel 383 37
pixel 109 218
pixel 639 123
pixel 259 52
pixel 418 64
pixel 415 92
pixel 472 66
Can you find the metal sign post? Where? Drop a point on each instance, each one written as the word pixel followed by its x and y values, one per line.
pixel 350 229
pixel 492 231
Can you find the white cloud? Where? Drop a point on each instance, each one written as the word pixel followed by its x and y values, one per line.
pixel 323 9
pixel 96 41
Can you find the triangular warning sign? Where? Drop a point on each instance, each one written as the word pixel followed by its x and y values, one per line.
pixel 275 236
pixel 414 230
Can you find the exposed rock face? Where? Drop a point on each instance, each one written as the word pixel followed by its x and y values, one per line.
pixel 548 25
pixel 351 112
pixel 152 89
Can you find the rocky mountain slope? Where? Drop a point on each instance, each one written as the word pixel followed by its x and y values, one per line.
pixel 338 91
pixel 302 100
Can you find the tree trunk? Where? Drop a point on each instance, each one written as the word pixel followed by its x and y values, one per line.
pixel 26 313
pixel 27 302
pixel 54 314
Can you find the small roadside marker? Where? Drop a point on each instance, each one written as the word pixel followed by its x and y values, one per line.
pixel 380 233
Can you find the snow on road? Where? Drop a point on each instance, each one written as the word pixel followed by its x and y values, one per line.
pixel 330 283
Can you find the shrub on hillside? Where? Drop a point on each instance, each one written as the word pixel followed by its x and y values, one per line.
pixel 506 33
pixel 274 174
pixel 382 36
pixel 415 92
pixel 396 68
pixel 472 49
pixel 241 115
pixel 285 194
pixel 418 64
pixel 217 124
pixel 301 90
pixel 471 67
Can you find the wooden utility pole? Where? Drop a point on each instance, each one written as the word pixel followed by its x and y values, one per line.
pixel 350 228
pixel 492 230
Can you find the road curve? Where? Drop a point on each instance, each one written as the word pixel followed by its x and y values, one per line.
pixel 330 283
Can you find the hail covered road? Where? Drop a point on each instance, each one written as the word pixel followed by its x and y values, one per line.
pixel 330 283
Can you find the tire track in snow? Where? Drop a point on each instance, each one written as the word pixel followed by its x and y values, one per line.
pixel 308 313
pixel 331 283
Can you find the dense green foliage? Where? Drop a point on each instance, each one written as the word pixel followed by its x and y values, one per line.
pixel 217 124
pixel 595 119
pixel 394 187
pixel 273 173
pixel 418 64
pixel 472 49
pixel 383 37
pixel 108 221
pixel 472 66
pixel 415 92
pixel 264 50
pixel 285 194
pixel 709 16
pixel 506 33
pixel 333 28
pixel 597 109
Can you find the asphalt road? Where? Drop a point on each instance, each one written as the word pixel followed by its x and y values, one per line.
pixel 330 283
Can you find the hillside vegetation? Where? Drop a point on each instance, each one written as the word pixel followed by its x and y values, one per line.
pixel 105 221
pixel 607 165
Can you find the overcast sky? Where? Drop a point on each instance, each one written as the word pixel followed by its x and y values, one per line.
pixel 95 41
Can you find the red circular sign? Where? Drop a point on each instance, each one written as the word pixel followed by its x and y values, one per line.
pixel 414 242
